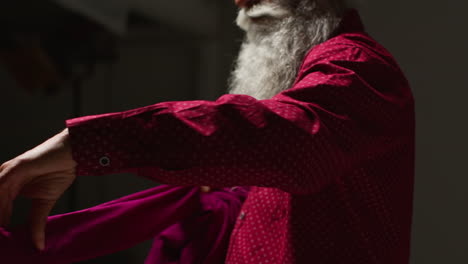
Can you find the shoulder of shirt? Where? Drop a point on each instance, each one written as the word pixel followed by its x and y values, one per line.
pixel 359 53
pixel 346 45
pixel 351 46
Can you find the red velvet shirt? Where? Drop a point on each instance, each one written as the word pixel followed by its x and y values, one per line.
pixel 331 159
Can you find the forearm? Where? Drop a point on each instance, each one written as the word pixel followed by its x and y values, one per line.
pixel 235 141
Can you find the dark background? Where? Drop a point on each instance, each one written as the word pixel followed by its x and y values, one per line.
pixel 183 50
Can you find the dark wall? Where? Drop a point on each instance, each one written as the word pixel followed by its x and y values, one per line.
pixel 429 40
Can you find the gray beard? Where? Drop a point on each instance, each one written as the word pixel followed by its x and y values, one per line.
pixel 274 49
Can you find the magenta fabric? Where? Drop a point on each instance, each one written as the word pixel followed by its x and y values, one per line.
pixel 187 226
pixel 331 158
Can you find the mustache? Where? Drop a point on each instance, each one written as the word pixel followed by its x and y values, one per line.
pixel 265 10
pixel 259 14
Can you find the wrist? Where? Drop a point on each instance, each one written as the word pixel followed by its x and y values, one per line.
pixel 67 148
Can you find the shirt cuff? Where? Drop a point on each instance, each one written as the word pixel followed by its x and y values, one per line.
pixel 92 144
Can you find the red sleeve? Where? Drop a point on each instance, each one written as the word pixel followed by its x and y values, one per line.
pixel 346 104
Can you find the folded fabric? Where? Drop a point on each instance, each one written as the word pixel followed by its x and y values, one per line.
pixel 187 226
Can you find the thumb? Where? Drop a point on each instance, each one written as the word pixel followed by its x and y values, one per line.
pixel 40 210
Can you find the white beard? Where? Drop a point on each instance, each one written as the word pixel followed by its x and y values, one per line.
pixel 277 40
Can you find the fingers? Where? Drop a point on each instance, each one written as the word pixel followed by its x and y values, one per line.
pixel 5 213
pixel 205 189
pixel 6 198
pixel 40 210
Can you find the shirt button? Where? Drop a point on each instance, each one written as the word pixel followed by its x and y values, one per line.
pixel 104 161
pixel 242 216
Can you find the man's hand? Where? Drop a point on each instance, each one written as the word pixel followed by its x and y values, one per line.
pixel 41 174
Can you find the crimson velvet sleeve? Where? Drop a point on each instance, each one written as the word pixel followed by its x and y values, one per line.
pixel 344 106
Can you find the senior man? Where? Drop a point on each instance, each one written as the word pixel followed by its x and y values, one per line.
pixel 319 120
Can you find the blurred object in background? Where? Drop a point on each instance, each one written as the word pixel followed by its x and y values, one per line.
pixel 30 65
pixel 47 45
pixel 111 14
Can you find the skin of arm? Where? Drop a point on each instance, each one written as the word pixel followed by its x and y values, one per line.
pixel 41 174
